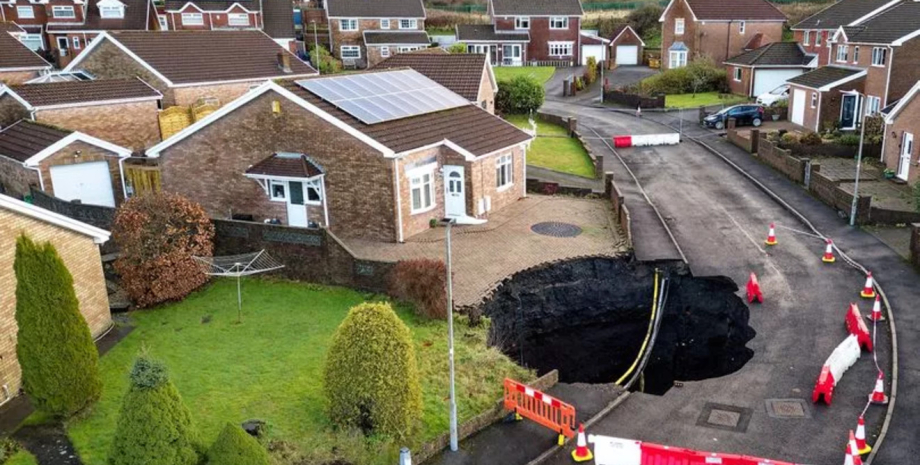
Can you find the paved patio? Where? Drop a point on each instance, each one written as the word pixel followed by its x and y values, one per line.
pixel 484 255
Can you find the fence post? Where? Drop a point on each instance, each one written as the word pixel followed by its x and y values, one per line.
pixel 755 140
pixel 573 126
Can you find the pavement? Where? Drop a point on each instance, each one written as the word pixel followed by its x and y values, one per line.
pixel 617 77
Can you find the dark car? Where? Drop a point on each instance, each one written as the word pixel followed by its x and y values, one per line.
pixel 743 114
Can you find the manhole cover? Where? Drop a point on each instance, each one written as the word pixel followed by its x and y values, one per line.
pixel 726 417
pixel 787 408
pixel 556 229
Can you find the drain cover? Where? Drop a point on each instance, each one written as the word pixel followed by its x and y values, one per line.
pixel 726 417
pixel 556 229
pixel 787 408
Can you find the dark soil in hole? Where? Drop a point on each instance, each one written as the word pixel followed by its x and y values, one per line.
pixel 588 317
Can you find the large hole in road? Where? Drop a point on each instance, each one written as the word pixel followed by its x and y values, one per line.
pixel 588 318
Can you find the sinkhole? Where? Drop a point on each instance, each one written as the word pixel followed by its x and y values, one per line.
pixel 588 318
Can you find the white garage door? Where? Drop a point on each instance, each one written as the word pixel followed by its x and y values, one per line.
pixel 596 51
pixel 627 55
pixel 798 106
pixel 90 183
pixel 766 80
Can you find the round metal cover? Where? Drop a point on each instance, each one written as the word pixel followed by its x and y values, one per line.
pixel 556 229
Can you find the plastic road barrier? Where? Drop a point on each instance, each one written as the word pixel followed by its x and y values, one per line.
pixel 539 407
pixel 857 327
pixel 843 357
pixel 646 140
pixel 617 451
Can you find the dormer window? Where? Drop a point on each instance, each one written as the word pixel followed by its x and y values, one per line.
pixel 112 12
pixel 522 22
pixel 63 12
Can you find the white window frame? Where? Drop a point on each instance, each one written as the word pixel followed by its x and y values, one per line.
pixel 164 22
pixel 348 24
pixel 57 10
pixel 842 52
pixel 384 24
pixel 855 54
pixel 63 51
pixel 36 39
pixel 873 105
pixel 75 41
pixel 192 19
pixel 814 100
pixel 407 48
pixel 316 186
pixel 29 8
pixel 741 27
pixel 284 191
pixel 679 26
pixel 504 165
pixel 234 19
pixel 562 21
pixel 112 12
pixel 681 60
pixel 805 37
pixel 522 23
pixel 385 51
pixel 422 180
pixel 350 48
pixel 818 38
pixel 737 74
pixel 408 24
pixel 562 49
pixel 879 56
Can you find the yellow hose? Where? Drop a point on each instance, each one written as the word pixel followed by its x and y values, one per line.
pixel 648 334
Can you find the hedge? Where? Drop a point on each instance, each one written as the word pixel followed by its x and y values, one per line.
pixel 235 447
pixel 519 96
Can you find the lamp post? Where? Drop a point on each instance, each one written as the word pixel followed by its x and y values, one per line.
pixel 315 45
pixel 862 136
pixel 448 222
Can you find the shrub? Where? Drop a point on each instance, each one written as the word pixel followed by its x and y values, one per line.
pixel 789 139
pixel 917 196
pixel 234 447
pixel 875 129
pixel 458 47
pixel 591 71
pixel 698 76
pixel 60 364
pixel 158 235
pixel 644 20
pixel 423 283
pixel 520 95
pixel 811 138
pixel 8 448
pixel 154 427
pixel 849 140
pixel 371 377
pixel 324 61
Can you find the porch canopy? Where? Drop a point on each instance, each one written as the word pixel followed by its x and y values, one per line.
pixel 301 179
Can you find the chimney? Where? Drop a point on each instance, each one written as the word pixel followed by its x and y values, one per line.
pixel 284 62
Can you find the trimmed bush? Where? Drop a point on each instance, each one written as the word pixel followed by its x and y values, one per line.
pixel 811 138
pixel 423 283
pixel 458 47
pixel 235 447
pixel 154 426
pixel 519 96
pixel 698 76
pixel 158 234
pixel 371 376
pixel 591 71
pixel 60 363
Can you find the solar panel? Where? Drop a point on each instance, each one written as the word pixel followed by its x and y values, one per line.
pixel 384 96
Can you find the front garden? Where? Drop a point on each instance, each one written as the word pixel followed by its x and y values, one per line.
pixel 554 149
pixel 703 99
pixel 539 73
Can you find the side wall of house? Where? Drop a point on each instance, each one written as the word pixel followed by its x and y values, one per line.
pixel 810 114
pixel 907 121
pixel 541 35
pixel 87 154
pixel 131 125
pixel 11 111
pixel 720 41
pixel 626 38
pixel 486 93
pixel 742 86
pixel 80 255
pixel 679 9
pixel 107 61
pixel 821 50
pixel 225 93
pixel 16 178
pixel 17 77
pixel 905 70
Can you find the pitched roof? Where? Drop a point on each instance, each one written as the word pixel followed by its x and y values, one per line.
pixel 190 57
pixel 375 9
pixel 76 92
pixel 278 19
pixel 536 8
pixel 735 10
pixel 486 33
pixel 459 72
pixel 212 5
pixel 137 15
pixel 396 38
pixel 775 54
pixel 889 26
pixel 13 54
pixel 6 26
pixel 99 236
pixel 23 139
pixel 289 165
pixel 840 13
pixel 826 75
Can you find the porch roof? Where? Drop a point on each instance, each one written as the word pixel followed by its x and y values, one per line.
pixel 827 77
pixel 486 33
pixel 286 165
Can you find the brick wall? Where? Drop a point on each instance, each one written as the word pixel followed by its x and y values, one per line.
pixel 16 77
pixel 743 86
pixel 225 93
pixel 212 19
pixel 95 215
pixel 830 193
pixel 88 154
pixel 11 111
pixel 80 255
pixel 908 120
pixel 618 202
pixel 782 160
pixel 723 40
pixel 915 244
pixel 15 179
pixel 679 9
pixel 822 51
pixel 107 61
pixel 905 61
pixel 486 93
pixel 131 125
pixel 734 136
pixel 541 35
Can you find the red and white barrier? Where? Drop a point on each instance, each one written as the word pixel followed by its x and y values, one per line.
pixel 843 357
pixel 857 327
pixel 646 140
pixel 616 451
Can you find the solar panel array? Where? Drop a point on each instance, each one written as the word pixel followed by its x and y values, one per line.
pixel 384 96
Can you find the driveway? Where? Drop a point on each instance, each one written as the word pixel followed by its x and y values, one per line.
pixel 620 76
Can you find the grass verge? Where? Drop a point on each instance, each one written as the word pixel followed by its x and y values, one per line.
pixel 21 458
pixel 540 73
pixel 703 99
pixel 553 149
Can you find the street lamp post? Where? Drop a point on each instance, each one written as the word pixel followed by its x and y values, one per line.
pixel 448 222
pixel 862 136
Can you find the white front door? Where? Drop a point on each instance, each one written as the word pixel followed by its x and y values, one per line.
pixel 296 210
pixel 798 107
pixel 454 191
pixel 90 183
pixel 627 54
pixel 907 148
pixel 511 55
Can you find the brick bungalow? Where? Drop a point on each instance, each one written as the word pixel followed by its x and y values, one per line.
pixel 766 68
pixel 350 21
pixel 274 17
pixel 626 47
pixel 902 128
pixel 78 246
pixel 528 31
pixel 186 66
pixel 821 98
pixel 67 39
pixel 18 64
pixel 467 74
pixel 121 111
pixel 814 33
pixel 284 153
pixel 66 164
pixel 716 29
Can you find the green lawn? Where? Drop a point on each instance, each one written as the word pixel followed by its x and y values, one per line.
pixel 21 458
pixel 270 366
pixel 554 150
pixel 704 99
pixel 540 73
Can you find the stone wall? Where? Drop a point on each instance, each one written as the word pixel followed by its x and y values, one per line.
pixel 16 180
pixel 781 160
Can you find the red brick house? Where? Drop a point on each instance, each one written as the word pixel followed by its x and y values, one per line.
pixel 766 68
pixel 67 39
pixel 593 46
pixel 186 66
pixel 716 29
pixel 18 63
pixel 485 40
pixel 66 164
pixel 393 26
pixel 34 16
pixel 816 31
pixel 826 97
pixel 902 130
pixel 275 17
pixel 625 47
pixel 292 152
pixel 121 111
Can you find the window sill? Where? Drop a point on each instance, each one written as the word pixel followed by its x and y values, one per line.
pixel 878 66
pixel 279 200
pixel 505 187
pixel 424 210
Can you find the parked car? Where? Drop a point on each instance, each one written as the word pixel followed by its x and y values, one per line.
pixel 743 114
pixel 775 96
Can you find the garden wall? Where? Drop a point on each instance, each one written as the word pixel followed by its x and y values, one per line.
pixel 95 215
pixel 780 159
pixel 572 125
pixel 632 100
pixel 829 192
pixel 915 244
pixel 620 212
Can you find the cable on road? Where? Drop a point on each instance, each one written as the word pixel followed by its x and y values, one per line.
pixel 648 334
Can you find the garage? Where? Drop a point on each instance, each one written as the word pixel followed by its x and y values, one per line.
pixel 766 80
pixel 596 51
pixel 798 106
pixel 627 55
pixel 90 183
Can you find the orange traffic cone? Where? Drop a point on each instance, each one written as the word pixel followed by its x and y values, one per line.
pixel 829 253
pixel 853 451
pixel 877 310
pixel 861 445
pixel 771 235
pixel 878 396
pixel 753 290
pixel 581 452
pixel 868 291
